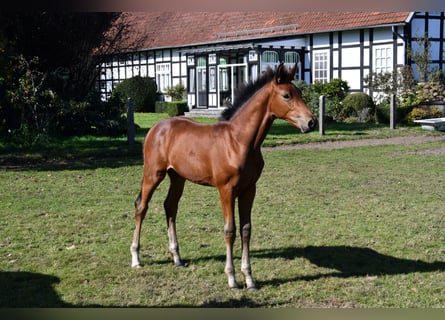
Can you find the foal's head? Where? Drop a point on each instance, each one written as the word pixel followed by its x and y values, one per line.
pixel 286 102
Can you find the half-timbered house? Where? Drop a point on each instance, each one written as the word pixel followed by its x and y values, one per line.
pixel 212 53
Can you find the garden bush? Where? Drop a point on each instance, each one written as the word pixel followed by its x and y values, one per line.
pixel 172 108
pixel 176 108
pixel 177 92
pixel 142 90
pixel 383 112
pixel 420 113
pixel 32 112
pixel 91 116
pixel 430 91
pixel 334 91
pixel 358 105
pixel 160 106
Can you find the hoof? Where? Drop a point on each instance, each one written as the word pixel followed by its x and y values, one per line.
pixel 233 286
pixel 136 266
pixel 182 265
pixel 252 289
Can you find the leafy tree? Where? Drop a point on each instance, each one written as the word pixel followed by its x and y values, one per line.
pixel 64 44
pixel 31 96
pixel 422 57
pixel 48 68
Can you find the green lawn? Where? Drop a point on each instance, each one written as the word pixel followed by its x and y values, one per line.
pixel 354 227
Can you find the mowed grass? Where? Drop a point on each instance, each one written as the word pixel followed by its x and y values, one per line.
pixel 353 227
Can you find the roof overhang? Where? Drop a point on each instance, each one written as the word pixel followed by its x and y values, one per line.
pixel 218 48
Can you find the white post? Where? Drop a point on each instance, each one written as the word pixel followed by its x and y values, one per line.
pixel 130 121
pixel 321 115
pixel 392 112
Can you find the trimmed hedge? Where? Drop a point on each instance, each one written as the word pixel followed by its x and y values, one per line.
pixel 141 89
pixel 173 108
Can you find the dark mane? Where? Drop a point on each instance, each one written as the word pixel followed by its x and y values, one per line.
pixel 245 93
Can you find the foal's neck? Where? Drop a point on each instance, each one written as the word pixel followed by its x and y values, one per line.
pixel 253 121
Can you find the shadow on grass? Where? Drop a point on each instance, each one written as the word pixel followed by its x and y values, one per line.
pixel 78 156
pixel 348 261
pixel 26 289
pixel 35 290
pixel 29 290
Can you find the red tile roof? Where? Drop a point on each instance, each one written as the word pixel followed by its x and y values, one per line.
pixel 178 29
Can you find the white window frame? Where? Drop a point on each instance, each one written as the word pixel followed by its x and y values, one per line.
pixel 163 76
pixel 321 66
pixel 383 59
pixel 290 59
pixel 269 58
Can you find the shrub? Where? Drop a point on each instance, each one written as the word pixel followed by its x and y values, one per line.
pixel 176 108
pixel 173 108
pixel 177 92
pixel 33 112
pixel 358 105
pixel 160 106
pixel 420 113
pixel 430 91
pixel 141 89
pixel 334 91
pixel 382 111
pixel 91 116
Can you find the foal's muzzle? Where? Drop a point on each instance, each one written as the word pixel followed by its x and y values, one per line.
pixel 312 123
pixel 308 126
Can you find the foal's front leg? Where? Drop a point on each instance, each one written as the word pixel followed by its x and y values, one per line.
pixel 149 185
pixel 228 207
pixel 245 202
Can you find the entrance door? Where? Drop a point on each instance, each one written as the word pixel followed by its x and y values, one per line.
pixel 230 77
pixel 201 85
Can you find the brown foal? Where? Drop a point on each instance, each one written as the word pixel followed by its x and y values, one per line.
pixel 225 155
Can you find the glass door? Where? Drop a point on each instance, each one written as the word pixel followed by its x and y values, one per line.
pixel 201 83
pixel 230 77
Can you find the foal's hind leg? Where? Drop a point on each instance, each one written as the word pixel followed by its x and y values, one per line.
pixel 149 185
pixel 171 209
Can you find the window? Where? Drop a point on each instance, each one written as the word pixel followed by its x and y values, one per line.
pixel 269 59
pixel 163 76
pixel 383 59
pixel 290 59
pixel 192 80
pixel 321 66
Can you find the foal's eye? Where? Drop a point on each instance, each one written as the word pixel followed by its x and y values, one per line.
pixel 286 96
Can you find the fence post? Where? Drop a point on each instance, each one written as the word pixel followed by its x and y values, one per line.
pixel 392 112
pixel 321 115
pixel 130 121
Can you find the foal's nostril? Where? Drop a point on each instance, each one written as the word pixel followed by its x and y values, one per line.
pixel 312 123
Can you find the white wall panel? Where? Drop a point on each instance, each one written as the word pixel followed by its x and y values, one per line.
pixel 350 57
pixel 352 77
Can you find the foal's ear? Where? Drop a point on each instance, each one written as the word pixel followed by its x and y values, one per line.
pixel 292 72
pixel 281 74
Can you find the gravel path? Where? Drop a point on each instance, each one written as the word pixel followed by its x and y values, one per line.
pixel 361 142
